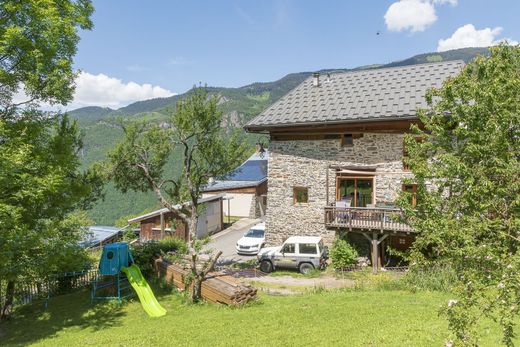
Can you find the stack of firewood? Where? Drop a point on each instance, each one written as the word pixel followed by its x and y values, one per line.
pixel 216 288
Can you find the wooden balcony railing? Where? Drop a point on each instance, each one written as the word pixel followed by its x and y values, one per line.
pixel 365 218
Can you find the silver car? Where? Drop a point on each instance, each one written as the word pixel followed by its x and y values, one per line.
pixel 304 253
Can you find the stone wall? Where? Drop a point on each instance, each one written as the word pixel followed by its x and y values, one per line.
pixel 305 164
pixel 257 209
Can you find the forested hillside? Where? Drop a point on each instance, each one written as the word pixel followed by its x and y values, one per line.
pixel 101 130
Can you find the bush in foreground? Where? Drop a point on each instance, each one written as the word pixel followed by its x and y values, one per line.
pixel 145 253
pixel 342 254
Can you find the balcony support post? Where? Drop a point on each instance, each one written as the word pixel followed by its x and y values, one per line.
pixel 375 241
pixel 375 253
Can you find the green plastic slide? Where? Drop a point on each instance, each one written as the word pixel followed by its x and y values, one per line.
pixel 143 290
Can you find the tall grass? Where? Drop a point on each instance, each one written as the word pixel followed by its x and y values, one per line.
pixel 438 277
pixel 434 278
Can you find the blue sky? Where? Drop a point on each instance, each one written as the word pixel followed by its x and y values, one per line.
pixel 143 49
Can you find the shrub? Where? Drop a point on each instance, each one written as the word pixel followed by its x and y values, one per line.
pixel 342 254
pixel 130 235
pixel 145 253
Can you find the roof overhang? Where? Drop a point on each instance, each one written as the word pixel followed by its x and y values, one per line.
pixel 371 168
pixel 330 125
pixel 230 185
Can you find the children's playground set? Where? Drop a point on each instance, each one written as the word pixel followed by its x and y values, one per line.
pixel 117 272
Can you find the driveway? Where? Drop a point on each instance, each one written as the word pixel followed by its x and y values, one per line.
pixel 226 240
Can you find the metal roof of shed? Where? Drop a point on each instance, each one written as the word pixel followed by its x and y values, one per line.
pixel 165 210
pixel 97 234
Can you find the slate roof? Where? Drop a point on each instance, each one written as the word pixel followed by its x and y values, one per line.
pixel 250 174
pixel 357 96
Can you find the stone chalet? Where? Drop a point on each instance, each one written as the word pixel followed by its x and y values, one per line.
pixel 336 150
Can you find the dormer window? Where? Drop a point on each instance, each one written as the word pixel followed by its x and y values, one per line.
pixel 347 140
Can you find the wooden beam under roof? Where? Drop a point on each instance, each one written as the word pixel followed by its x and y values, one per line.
pixel 390 126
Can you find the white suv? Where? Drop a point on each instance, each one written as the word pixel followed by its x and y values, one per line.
pixel 297 252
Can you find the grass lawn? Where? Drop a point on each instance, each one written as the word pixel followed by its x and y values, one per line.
pixel 336 318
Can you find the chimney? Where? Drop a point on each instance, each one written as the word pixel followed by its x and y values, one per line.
pixel 316 79
pixel 259 148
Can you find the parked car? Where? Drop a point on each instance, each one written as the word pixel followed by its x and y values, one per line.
pixel 304 253
pixel 252 241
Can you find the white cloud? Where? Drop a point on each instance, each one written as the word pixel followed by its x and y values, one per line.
pixel 19 96
pixel 413 15
pixel 469 36
pixel 106 91
pixel 102 90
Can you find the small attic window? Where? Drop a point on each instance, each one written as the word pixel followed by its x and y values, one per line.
pixel 347 140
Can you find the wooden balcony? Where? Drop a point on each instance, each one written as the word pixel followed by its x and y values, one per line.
pixel 366 219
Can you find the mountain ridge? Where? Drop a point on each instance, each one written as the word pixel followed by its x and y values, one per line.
pixel 279 86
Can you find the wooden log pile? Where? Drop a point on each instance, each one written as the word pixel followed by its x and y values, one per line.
pixel 216 288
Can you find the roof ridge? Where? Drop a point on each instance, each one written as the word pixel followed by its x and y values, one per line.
pixel 395 67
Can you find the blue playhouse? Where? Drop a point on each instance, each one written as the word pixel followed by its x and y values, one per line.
pixel 117 269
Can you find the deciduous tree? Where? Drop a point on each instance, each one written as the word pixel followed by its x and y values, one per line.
pixel 41 186
pixel 206 150
pixel 40 181
pixel 468 194
pixel 38 39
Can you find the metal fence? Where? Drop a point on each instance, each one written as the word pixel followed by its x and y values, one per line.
pixel 27 292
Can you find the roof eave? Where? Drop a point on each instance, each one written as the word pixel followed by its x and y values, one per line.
pixel 271 127
pixel 245 185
